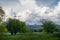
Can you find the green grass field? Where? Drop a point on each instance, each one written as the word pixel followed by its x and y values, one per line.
pixel 31 36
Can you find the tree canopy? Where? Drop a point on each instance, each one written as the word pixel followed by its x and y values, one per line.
pixel 49 26
pixel 2 13
pixel 15 25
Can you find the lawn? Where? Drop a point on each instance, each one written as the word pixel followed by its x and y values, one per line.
pixel 31 36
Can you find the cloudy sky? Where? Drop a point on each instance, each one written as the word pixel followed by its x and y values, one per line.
pixel 32 11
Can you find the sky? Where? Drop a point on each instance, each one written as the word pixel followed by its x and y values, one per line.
pixel 32 11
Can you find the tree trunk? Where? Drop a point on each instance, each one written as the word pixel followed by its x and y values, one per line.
pixel 11 33
pixel 15 33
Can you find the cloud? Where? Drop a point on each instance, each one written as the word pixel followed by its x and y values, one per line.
pixel 31 11
pixel 47 13
pixel 57 12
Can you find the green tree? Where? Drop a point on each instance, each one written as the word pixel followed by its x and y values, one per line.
pixel 15 25
pixel 23 28
pixel 2 31
pixel 3 27
pixel 2 13
pixel 48 26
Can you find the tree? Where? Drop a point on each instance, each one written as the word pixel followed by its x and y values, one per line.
pixel 23 28
pixel 2 13
pixel 14 26
pixel 2 31
pixel 3 27
pixel 48 26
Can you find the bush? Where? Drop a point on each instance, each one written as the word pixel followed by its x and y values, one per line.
pixel 57 35
pixel 40 30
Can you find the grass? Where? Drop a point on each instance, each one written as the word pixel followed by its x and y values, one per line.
pixel 31 36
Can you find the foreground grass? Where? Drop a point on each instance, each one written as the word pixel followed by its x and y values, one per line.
pixel 31 36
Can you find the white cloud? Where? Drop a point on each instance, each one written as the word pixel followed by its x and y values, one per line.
pixel 28 10
pixel 57 9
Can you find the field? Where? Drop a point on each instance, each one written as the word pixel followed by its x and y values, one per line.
pixel 31 36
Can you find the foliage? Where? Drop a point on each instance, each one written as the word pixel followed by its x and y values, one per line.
pixel 40 30
pixel 14 26
pixel 2 31
pixel 3 27
pixel 57 35
pixel 22 26
pixel 2 13
pixel 49 26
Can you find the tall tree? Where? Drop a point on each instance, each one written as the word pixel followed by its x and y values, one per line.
pixel 14 26
pixel 49 26
pixel 2 13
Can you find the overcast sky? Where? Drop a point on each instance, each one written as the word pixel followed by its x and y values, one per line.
pixel 32 11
